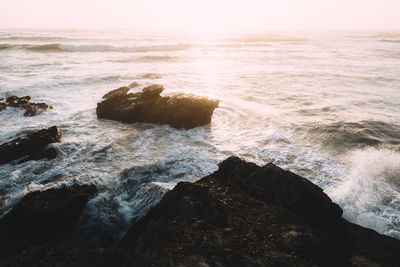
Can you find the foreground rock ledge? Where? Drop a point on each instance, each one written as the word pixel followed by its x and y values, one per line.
pixel 31 146
pixel 246 215
pixel 42 217
pixel 179 111
pixel 241 215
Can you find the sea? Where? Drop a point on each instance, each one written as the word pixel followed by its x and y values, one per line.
pixel 325 105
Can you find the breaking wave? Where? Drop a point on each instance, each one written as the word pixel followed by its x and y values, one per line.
pixel 46 47
pixel 58 47
pixel 369 193
pixel 35 38
pixel 267 39
pixel 390 40
pixel 159 58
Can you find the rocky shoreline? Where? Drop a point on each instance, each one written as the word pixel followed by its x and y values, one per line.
pixel 241 215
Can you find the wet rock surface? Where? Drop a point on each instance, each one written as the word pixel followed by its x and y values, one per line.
pixel 32 146
pixel 267 217
pixel 283 188
pixel 241 215
pixel 31 109
pixel 42 217
pixel 179 111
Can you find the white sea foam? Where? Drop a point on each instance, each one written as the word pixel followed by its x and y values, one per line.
pixel 369 194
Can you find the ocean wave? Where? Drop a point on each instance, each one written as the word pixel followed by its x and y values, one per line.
pixel 150 58
pixel 341 136
pixel 267 39
pixel 38 48
pixel 369 193
pixel 134 191
pixel 242 45
pixel 59 47
pixel 44 48
pixel 109 215
pixel 5 46
pixel 35 38
pixel 390 40
pixel 158 58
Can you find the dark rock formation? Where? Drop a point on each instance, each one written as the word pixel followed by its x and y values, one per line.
pixel 246 215
pixel 3 106
pixel 179 111
pixel 32 146
pixel 187 201
pixel 282 188
pixel 31 109
pixel 43 217
pixel 241 215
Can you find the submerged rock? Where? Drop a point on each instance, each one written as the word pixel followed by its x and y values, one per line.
pixel 31 146
pixel 31 109
pixel 44 153
pixel 46 216
pixel 179 111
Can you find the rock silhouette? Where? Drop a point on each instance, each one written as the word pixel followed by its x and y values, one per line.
pixel 179 111
pixel 42 217
pixel 247 215
pixel 31 109
pixel 31 146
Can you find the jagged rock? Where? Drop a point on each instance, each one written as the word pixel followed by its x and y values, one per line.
pixel 281 187
pixel 119 92
pixel 31 146
pixel 188 202
pixel 46 216
pixel 179 111
pixel 241 215
pixel 270 217
pixel 31 111
pixel 23 102
pixel 33 108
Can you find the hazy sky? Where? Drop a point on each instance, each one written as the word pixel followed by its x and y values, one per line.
pixel 206 15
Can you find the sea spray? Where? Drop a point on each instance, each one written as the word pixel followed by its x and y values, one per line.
pixel 369 194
